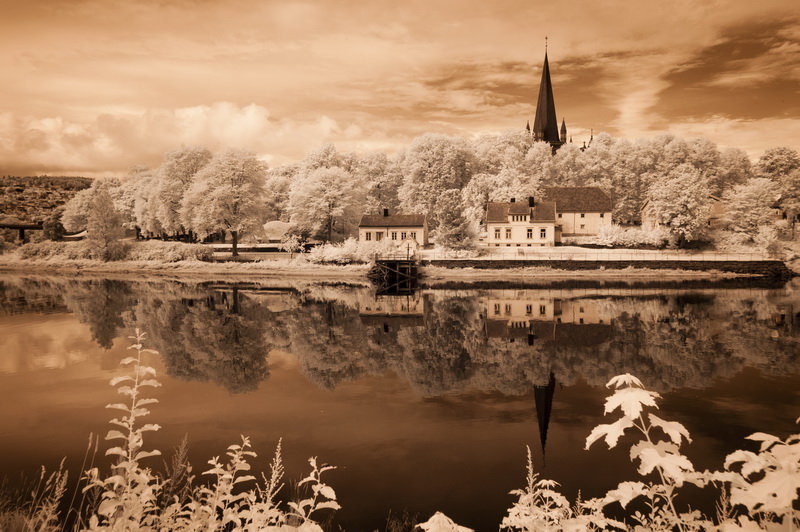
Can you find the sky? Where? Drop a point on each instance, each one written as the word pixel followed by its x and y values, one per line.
pixel 93 87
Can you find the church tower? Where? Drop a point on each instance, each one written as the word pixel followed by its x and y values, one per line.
pixel 545 123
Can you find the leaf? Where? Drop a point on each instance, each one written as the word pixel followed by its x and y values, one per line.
pixel 610 432
pixel 121 378
pixel 631 401
pixel 119 451
pixel 673 429
pixel 625 493
pixel 665 457
pixel 328 492
pixel 149 427
pixel 115 435
pixel 333 505
pixel 146 454
pixel 118 406
pixel 626 379
pixel 767 440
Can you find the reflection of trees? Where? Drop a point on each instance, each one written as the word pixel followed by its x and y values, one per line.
pixel 678 340
pixel 100 304
pixel 219 338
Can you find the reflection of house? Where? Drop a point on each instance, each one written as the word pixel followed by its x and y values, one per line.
pixel 394 312
pixel 402 229
pixel 580 211
pixel 562 322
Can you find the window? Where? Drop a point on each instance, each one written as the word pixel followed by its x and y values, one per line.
pixel 497 308
pixel 543 232
pixel 508 309
pixel 583 226
pixel 497 234
pixel 560 215
pixel 530 233
pixel 368 235
pixel 508 233
pixel 379 235
pixel 580 320
pixel 414 235
pixel 542 310
pixel 580 309
pixel 394 235
pixel 583 215
pixel 528 309
pixel 602 215
pixel 403 235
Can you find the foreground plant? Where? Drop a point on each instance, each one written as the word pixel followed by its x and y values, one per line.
pixel 133 496
pixel 763 486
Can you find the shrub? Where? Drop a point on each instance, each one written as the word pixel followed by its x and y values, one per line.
pixel 351 251
pixel 617 236
pixel 169 251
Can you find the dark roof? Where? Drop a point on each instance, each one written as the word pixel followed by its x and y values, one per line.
pixel 498 212
pixel 578 199
pixel 393 220
pixel 544 211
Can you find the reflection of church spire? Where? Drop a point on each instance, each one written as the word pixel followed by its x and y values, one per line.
pixel 543 396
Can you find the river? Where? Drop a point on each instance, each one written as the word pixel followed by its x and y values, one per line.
pixel 424 402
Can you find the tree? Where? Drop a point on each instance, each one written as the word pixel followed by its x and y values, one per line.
pixel 680 203
pixel 734 169
pixel 777 162
pixel 227 195
pixel 454 231
pixel 104 228
pixel 750 205
pixel 383 180
pixel 326 202
pixel 432 164
pixel 52 227
pixel 174 177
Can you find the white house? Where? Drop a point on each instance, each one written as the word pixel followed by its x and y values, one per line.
pixel 399 228
pixel 521 224
pixel 580 211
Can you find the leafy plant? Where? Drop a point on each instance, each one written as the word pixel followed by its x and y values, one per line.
pixel 758 491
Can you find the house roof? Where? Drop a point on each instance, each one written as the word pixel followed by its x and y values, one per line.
pixel 578 199
pixel 544 211
pixel 394 220
pixel 498 212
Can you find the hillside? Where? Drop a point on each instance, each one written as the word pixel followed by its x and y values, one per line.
pixel 33 199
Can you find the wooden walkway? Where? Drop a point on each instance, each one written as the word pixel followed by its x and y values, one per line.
pixel 395 275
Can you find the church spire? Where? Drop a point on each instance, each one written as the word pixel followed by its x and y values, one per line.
pixel 545 123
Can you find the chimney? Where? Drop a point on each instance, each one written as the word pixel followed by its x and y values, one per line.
pixel 386 212
pixel 530 201
pixel 513 200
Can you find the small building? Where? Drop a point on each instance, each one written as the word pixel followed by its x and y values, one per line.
pixel 580 211
pixel 399 228
pixel 521 224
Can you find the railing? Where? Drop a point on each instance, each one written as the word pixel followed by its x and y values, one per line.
pixel 606 256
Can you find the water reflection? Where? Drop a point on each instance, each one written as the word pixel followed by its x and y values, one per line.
pixel 435 393
pixel 439 341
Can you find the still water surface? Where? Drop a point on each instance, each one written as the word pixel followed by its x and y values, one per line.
pixel 423 402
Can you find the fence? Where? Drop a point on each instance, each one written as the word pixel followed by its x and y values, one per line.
pixel 597 256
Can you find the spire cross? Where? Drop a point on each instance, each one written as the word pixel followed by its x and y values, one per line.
pixel 545 44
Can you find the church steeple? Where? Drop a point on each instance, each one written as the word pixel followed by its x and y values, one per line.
pixel 545 123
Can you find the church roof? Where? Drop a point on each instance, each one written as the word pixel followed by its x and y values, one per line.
pixel 545 123
pixel 578 199
pixel 498 212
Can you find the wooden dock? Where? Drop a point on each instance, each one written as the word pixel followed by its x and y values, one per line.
pixel 395 275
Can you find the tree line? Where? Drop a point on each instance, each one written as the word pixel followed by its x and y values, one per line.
pixel 196 193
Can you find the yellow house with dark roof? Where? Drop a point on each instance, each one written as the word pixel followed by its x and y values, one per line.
pixel 521 224
pixel 400 229
pixel 580 211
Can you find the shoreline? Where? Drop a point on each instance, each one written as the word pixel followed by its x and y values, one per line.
pixel 302 270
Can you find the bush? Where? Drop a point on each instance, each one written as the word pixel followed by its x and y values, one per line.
pixel 351 251
pixel 617 236
pixel 169 251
